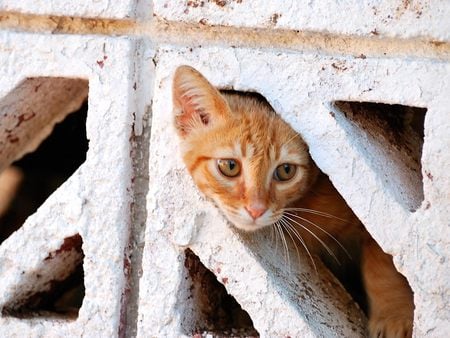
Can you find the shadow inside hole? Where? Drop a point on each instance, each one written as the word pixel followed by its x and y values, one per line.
pixel 37 175
pixel 390 138
pixel 217 311
pixel 57 291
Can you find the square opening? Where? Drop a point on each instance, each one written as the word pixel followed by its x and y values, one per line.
pixel 42 143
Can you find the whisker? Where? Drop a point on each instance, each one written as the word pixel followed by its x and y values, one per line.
pixel 293 241
pixel 283 239
pixel 275 230
pixel 330 252
pixel 300 238
pixel 321 229
pixel 271 235
pixel 291 139
pixel 290 229
pixel 315 212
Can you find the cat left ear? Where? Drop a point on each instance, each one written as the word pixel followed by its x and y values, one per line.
pixel 196 102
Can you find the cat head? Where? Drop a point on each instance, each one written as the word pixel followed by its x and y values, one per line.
pixel 239 152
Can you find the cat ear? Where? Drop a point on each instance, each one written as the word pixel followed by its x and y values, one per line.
pixel 196 102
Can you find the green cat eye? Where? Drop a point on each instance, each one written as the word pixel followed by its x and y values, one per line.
pixel 284 172
pixel 229 167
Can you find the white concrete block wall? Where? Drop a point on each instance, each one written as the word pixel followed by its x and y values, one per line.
pixel 357 51
pixel 94 202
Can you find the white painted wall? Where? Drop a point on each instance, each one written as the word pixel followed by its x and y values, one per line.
pixel 361 51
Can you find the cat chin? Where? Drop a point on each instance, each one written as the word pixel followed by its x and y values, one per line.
pixel 247 226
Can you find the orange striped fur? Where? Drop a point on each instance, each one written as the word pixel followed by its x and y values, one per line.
pixel 215 125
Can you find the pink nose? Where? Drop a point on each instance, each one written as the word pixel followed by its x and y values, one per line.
pixel 256 210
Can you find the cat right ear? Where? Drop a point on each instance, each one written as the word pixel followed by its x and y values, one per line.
pixel 196 102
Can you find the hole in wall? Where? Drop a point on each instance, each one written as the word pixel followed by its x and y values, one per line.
pixel 216 311
pixel 317 220
pixel 29 181
pixel 390 138
pixel 56 289
pixel 42 142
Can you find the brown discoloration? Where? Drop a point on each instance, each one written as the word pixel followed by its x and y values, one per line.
pixel 274 18
pixel 406 4
pixel 195 3
pixel 339 65
pixel 25 117
pixel 101 63
pixel 220 3
pixel 437 43
pixel 12 138
pixel 70 243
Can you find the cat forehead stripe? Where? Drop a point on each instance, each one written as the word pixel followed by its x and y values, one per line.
pixel 287 154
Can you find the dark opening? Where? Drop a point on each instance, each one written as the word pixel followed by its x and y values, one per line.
pixel 38 174
pixel 390 137
pixel 218 313
pixel 55 292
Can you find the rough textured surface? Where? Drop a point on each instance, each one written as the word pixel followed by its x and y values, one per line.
pixel 100 8
pixel 405 19
pixel 133 190
pixel 302 89
pixel 94 202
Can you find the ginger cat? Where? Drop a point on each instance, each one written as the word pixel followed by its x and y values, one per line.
pixel 258 171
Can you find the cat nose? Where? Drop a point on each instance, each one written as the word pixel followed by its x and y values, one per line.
pixel 256 210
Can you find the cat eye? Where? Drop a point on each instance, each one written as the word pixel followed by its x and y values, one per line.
pixel 229 167
pixel 284 172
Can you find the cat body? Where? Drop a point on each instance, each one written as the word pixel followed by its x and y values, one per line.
pixel 258 171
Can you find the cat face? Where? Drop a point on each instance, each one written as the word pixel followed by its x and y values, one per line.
pixel 239 152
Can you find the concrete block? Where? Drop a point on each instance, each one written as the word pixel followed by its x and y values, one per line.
pixel 43 78
pixel 275 294
pixel 403 214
